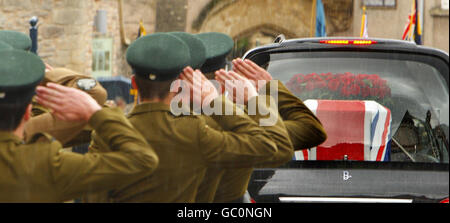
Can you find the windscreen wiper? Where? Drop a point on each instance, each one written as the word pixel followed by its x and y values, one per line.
pixel 440 134
pixel 403 149
pixel 435 147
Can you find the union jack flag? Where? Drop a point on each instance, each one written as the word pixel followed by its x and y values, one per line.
pixel 357 130
pixel 413 28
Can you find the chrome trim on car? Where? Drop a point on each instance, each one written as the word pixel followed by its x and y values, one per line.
pixel 341 200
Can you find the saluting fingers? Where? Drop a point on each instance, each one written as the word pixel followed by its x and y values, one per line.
pixel 193 78
pixel 253 65
pixel 197 78
pixel 50 105
pixel 60 88
pixel 236 76
pixel 201 75
pixel 229 79
pixel 48 96
pixel 220 79
pixel 188 74
pixel 261 72
pixel 48 91
pixel 237 67
pixel 220 76
pixel 185 82
pixel 245 71
pixel 250 70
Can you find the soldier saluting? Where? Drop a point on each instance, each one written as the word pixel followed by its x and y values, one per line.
pixel 185 144
pixel 222 185
pixel 40 171
pixel 68 133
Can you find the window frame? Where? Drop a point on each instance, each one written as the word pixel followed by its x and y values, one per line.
pixel 383 6
pixel 381 54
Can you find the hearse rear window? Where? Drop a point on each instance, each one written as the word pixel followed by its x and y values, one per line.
pixel 374 106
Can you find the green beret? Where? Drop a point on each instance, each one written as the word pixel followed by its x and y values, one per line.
pixel 5 46
pixel 196 48
pixel 218 46
pixel 20 73
pixel 17 40
pixel 158 57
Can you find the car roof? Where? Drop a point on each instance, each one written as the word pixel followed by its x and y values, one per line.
pixel 379 40
pixel 316 44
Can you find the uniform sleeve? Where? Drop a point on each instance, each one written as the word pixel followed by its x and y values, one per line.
pixel 277 132
pixel 243 142
pixel 97 145
pixel 69 78
pixel 62 131
pixel 304 128
pixel 131 158
pixel 68 133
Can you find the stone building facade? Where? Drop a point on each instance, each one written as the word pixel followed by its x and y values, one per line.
pixel 66 27
pixel 390 22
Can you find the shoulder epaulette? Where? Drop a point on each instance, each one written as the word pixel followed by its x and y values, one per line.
pixel 41 137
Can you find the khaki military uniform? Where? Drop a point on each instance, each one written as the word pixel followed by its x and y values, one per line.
pixel 68 133
pixel 305 131
pixel 188 145
pixel 40 171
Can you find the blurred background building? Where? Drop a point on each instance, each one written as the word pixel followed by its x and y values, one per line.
pixel 91 36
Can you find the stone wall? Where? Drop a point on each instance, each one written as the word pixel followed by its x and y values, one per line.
pixel 390 23
pixel 134 11
pixel 171 15
pixel 238 17
pixel 62 28
pixel 436 26
pixel 290 17
pixel 195 7
pixel 440 40
pixel 66 26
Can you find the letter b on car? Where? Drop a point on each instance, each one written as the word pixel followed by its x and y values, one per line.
pixel 346 175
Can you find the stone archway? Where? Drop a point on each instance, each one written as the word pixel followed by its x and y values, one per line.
pixel 235 17
pixel 251 23
pixel 258 22
pixel 256 36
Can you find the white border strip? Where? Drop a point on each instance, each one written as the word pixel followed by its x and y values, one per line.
pixel 341 200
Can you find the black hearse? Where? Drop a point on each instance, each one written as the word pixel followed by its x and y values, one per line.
pixel 385 106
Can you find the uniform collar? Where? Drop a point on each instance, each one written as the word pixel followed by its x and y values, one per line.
pixel 150 107
pixel 9 136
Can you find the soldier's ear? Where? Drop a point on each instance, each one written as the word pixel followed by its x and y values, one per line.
pixel 133 82
pixel 27 114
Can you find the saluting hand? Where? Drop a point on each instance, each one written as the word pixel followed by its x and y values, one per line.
pixel 240 89
pixel 252 71
pixel 202 91
pixel 67 104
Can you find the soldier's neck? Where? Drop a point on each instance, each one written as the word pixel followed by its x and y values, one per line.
pixel 20 130
pixel 165 100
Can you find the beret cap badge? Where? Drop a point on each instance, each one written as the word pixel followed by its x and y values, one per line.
pixel 152 77
pixel 86 84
